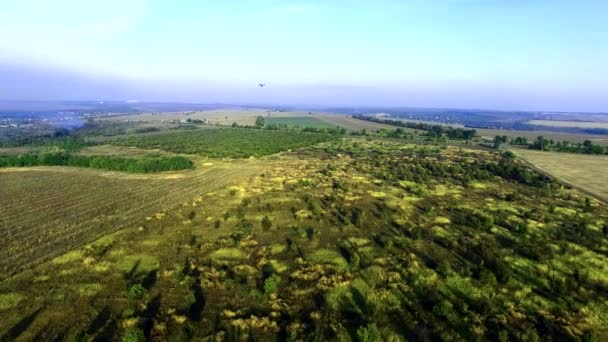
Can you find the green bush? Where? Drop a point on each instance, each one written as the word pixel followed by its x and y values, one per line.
pixel 136 291
pixel 133 335
pixel 271 284
pixel 370 333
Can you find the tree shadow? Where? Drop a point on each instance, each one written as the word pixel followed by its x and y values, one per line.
pixel 20 327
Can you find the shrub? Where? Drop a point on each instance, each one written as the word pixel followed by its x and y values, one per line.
pixel 136 291
pixel 133 335
pixel 271 284
pixel 370 333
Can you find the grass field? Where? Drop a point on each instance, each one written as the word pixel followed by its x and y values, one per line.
pixel 577 124
pixel 226 142
pixel 586 172
pixel 49 210
pixel 299 121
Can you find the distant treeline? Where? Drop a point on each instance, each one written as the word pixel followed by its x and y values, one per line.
pixel 132 165
pixel 432 130
pixel 543 144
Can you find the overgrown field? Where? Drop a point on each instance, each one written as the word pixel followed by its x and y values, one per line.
pixel 47 211
pixel 350 240
pixel 587 172
pixel 227 142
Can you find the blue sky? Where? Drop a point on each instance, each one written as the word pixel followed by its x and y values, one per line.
pixel 502 54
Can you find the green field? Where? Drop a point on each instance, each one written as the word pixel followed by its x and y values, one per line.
pixel 226 142
pixel 587 172
pixel 327 242
pixel 298 121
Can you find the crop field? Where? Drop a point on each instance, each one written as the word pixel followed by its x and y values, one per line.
pixel 216 117
pixel 557 136
pixel 332 242
pixel 227 142
pixel 48 210
pixel 577 124
pixel 587 172
pixel 298 121
pixel 351 124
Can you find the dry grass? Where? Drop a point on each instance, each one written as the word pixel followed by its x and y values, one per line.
pixel 586 172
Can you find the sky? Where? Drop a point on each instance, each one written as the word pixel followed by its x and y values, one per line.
pixel 493 54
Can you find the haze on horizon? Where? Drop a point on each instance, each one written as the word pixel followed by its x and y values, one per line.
pixel 494 54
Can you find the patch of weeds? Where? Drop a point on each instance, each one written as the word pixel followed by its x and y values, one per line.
pixel 228 254
pixel 333 258
pixel 10 300
pixel 89 290
pixel 68 257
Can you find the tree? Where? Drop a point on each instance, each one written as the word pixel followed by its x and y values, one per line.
pixel 260 122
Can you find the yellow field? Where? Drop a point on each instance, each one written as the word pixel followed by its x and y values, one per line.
pixel 45 211
pixel 587 172
pixel 576 124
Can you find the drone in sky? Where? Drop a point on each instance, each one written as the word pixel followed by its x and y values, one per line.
pixel 261 85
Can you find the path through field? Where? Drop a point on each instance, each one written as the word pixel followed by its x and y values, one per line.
pixel 47 211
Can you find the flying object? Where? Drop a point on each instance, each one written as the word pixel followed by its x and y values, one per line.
pixel 261 85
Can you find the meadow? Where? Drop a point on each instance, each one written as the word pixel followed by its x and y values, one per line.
pixel 348 240
pixel 587 172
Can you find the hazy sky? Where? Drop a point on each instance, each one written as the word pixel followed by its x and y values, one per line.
pixel 503 54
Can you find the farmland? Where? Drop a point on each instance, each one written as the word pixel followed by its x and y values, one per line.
pixel 578 124
pixel 216 117
pixel 329 242
pixel 586 172
pixel 557 136
pixel 73 205
pixel 228 142
pixel 298 121
pixel 351 124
